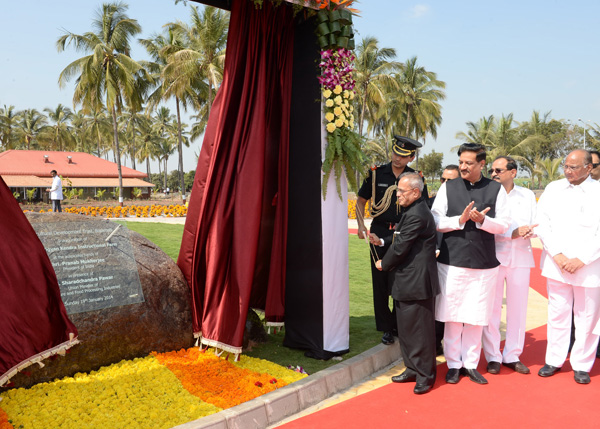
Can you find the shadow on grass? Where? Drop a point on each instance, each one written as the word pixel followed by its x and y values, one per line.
pixel 363 336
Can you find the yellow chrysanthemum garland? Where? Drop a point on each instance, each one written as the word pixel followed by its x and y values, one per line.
pixel 144 392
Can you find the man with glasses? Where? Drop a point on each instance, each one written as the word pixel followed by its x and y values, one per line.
pixel 595 173
pixel 411 258
pixel 569 227
pixel 380 186
pixel 469 211
pixel 513 250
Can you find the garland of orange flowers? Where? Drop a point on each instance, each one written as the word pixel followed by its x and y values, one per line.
pixel 216 380
pixel 4 423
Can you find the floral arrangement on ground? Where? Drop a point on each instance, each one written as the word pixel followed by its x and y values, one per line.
pixel 159 391
pixel 172 210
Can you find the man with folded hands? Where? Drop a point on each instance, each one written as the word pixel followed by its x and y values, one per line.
pixel 569 227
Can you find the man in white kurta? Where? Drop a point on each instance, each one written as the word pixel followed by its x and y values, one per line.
pixel 513 250
pixel 467 264
pixel 569 227
pixel 56 194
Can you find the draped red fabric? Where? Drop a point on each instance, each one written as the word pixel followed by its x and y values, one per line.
pixel 233 248
pixel 33 319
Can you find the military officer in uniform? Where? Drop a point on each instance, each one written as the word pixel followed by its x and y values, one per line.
pixel 380 187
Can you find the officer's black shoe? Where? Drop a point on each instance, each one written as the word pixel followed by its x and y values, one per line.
pixel 453 376
pixel 387 338
pixel 582 377
pixel 474 375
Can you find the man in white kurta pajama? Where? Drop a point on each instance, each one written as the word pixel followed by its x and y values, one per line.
pixel 468 210
pixel 569 227
pixel 513 250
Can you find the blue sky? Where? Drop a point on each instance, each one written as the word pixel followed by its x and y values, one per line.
pixel 495 57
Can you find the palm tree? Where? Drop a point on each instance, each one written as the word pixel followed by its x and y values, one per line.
pixel 58 135
pixel 31 124
pixel 373 66
pixel 419 94
pixel 108 74
pixel 162 49
pixel 148 140
pixel 99 128
pixel 8 121
pixel 480 132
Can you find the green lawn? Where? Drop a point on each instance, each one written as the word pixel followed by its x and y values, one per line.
pixel 362 324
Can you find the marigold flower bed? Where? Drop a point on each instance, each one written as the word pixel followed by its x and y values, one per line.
pixel 172 210
pixel 160 391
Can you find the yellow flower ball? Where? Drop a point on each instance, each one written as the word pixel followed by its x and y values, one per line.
pixel 327 93
pixel 329 102
pixel 342 117
pixel 351 95
pixel 351 108
pixel 337 89
pixel 339 123
pixel 329 116
pixel 346 93
pixel 351 123
pixel 331 127
pixel 338 100
pixel 337 111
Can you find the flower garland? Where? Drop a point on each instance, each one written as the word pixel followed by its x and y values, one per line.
pixel 337 88
pixel 219 381
pixel 160 391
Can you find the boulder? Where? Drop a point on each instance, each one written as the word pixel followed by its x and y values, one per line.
pixel 163 322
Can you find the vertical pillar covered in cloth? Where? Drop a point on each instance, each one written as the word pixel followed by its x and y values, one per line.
pixel 33 319
pixel 316 298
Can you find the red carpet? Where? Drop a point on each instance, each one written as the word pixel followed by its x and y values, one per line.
pixel 510 400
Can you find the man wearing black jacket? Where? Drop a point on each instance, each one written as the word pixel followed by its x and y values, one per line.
pixel 411 257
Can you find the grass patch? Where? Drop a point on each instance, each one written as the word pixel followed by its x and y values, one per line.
pixel 363 335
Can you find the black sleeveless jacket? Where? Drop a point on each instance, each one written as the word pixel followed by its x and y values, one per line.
pixel 470 247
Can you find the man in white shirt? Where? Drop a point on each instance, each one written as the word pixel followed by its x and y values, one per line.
pixel 513 250
pixel 469 211
pixel 56 194
pixel 569 227
pixel 595 165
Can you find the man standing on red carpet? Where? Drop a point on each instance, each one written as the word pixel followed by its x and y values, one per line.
pixel 513 250
pixel 411 257
pixel 569 227
pixel 469 211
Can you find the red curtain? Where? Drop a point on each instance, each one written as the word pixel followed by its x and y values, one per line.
pixel 233 248
pixel 33 319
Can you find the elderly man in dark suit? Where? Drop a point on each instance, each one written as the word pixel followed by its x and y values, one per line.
pixel 412 258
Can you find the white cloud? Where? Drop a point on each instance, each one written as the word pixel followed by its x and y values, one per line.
pixel 420 10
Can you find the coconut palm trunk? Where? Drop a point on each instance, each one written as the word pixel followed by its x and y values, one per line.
pixel 180 149
pixel 117 154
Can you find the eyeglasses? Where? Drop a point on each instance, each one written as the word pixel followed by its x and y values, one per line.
pixel 572 167
pixel 403 191
pixel 497 170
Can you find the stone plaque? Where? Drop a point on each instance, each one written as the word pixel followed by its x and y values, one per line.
pixel 94 264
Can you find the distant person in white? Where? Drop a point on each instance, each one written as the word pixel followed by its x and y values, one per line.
pixel 513 250
pixel 569 227
pixel 56 194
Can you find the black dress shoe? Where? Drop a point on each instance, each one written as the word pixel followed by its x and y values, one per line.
pixel 493 367
pixel 421 388
pixel 474 375
pixel 453 376
pixel 387 338
pixel 405 377
pixel 548 370
pixel 517 366
pixel 582 377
